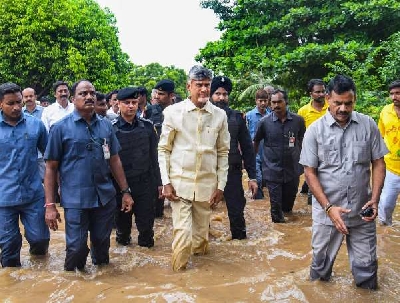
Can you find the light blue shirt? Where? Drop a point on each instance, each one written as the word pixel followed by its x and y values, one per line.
pixel 85 175
pixel 37 112
pixel 20 182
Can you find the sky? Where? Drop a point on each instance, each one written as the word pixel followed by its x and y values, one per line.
pixel 169 32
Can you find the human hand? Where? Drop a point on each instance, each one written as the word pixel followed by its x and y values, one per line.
pixel 127 203
pixel 216 197
pixel 169 192
pixel 335 214
pixel 374 206
pixel 253 186
pixel 52 217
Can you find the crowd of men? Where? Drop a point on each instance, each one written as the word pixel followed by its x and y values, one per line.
pixel 107 158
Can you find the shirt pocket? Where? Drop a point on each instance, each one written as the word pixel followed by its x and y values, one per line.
pixel 331 154
pixel 79 148
pixel 209 136
pixel 360 152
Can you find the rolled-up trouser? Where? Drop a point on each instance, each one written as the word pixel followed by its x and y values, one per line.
pixel 143 209
pixel 78 222
pixel 235 203
pixel 361 248
pixel 282 196
pixel 387 203
pixel 190 221
pixel 36 231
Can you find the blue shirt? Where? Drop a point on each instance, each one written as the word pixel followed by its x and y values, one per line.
pixel 85 176
pixel 37 112
pixel 20 182
pixel 252 118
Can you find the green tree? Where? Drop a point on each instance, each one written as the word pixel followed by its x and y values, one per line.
pixel 47 40
pixel 291 41
pixel 150 74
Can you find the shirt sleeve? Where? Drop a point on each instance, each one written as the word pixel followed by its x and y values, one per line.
pixel 114 143
pixel 309 150
pixel 259 134
pixel 165 146
pixel 54 149
pixel 43 137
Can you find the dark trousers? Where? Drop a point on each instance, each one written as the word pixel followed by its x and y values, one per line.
pixel 235 203
pixel 159 205
pixel 36 232
pixel 78 222
pixel 282 196
pixel 143 209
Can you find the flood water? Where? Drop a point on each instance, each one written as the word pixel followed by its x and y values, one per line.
pixel 272 265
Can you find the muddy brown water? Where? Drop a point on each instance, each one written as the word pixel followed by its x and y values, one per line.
pixel 272 265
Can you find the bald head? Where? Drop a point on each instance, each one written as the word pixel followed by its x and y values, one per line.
pixel 29 97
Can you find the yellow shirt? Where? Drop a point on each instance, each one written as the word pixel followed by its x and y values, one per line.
pixel 389 126
pixel 310 114
pixel 193 149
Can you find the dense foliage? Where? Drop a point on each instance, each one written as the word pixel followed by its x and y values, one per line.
pixel 288 42
pixel 47 40
pixel 150 74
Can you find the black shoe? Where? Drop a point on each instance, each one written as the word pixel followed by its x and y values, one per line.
pixel 279 220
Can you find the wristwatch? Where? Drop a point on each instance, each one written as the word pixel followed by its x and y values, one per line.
pixel 126 191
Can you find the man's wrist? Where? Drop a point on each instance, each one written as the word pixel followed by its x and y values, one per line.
pixel 126 191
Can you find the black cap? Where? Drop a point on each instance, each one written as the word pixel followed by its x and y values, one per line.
pixel 128 93
pixel 221 81
pixel 165 85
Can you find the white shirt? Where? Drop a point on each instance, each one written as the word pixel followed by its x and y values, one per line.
pixel 54 113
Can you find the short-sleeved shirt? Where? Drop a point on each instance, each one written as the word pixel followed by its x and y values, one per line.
pixel 85 175
pixel 37 112
pixel 252 118
pixel 280 159
pixel 342 158
pixel 20 182
pixel 310 114
pixel 389 126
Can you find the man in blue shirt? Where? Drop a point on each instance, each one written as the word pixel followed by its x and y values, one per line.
pixel 83 149
pixel 252 117
pixel 31 108
pixel 21 190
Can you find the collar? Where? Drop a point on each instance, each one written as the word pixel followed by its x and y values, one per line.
pixel 60 107
pixel 313 109
pixel 21 118
pixel 331 121
pixel 25 110
pixel 76 116
pixel 189 106
pixel 288 116
pixel 123 122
